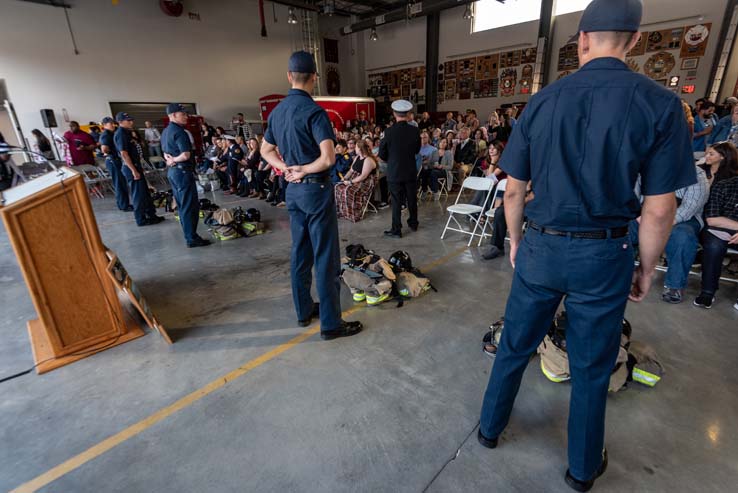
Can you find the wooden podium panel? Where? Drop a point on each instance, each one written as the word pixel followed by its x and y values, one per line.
pixel 53 231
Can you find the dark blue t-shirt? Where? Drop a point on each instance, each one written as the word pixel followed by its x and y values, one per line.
pixel 175 141
pixel 124 142
pixel 107 139
pixel 584 140
pixel 297 126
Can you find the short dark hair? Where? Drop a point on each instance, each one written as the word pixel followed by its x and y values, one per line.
pixel 239 114
pixel 300 77
pixel 341 143
pixel 707 104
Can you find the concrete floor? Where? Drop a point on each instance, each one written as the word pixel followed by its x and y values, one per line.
pixel 382 411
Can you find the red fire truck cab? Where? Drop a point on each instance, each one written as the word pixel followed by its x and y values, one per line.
pixel 340 110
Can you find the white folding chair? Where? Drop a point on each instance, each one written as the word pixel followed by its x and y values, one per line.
pixel 442 188
pixel 106 180
pixel 490 214
pixel 472 183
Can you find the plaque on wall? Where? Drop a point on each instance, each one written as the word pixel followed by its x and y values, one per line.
pixel 451 89
pixel 667 39
pixel 466 68
pixel 508 80
pixel 695 40
pixel 659 65
pixel 633 65
pixel 450 72
pixel 464 87
pixel 487 67
pixel 494 88
pixel 510 59
pixel 528 55
pixel 640 47
pixel 568 57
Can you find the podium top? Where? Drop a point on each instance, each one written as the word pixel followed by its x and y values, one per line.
pixel 32 187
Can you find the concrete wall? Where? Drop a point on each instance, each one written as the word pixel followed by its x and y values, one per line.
pixel 133 52
pixel 400 43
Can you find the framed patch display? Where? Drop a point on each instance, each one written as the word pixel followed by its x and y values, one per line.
pixel 466 68
pixel 640 47
pixel 633 65
pixel 659 65
pixel 510 59
pixel 528 55
pixel 667 39
pixel 508 81
pixel 695 40
pixel 465 87
pixel 451 89
pixel 568 57
pixel 690 63
pixel 450 72
pixel 487 67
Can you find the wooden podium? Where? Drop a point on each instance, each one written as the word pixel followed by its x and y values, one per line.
pixel 54 234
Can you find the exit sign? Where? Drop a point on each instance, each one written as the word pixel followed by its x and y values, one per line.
pixel 689 89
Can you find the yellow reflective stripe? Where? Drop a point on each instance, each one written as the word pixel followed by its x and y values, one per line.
pixel 551 376
pixel 644 377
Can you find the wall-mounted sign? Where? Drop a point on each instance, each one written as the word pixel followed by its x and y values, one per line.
pixel 695 40
pixel 688 89
pixel 674 81
pixel 659 65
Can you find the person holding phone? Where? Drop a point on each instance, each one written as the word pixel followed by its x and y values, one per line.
pixel 81 145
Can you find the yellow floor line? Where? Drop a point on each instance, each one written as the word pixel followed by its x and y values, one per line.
pixel 133 430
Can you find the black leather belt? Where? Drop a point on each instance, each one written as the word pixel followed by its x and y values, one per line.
pixel 316 179
pixel 602 234
pixel 184 167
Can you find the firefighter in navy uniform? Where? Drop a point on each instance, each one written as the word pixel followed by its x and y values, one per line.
pixel 583 164
pixel 302 132
pixel 177 148
pixel 143 207
pixel 113 163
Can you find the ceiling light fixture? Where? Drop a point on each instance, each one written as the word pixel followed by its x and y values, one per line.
pixel 373 36
pixel 291 17
pixel 468 14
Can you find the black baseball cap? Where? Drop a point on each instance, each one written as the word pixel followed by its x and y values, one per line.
pixel 123 116
pixel 175 107
pixel 106 120
pixel 302 62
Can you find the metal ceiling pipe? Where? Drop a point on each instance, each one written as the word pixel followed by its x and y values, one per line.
pixel 420 9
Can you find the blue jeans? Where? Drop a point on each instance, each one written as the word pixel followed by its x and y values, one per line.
pixel 594 277
pixel 119 183
pixel 143 206
pixel 188 206
pixel 681 250
pixel 314 227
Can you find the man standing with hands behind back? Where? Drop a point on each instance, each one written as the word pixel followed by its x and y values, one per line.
pixel 400 145
pixel 303 133
pixel 583 171
pixel 177 149
pixel 143 207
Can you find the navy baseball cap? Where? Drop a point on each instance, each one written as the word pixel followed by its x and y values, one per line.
pixel 123 116
pixel 611 15
pixel 106 120
pixel 302 62
pixel 175 107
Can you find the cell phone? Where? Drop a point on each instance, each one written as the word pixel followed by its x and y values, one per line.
pixel 77 142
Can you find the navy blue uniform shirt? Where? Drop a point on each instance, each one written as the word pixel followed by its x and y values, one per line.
pixel 175 141
pixel 297 126
pixel 583 141
pixel 124 142
pixel 107 139
pixel 233 155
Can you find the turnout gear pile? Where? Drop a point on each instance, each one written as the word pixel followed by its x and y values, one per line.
pixel 375 280
pixel 225 224
pixel 636 361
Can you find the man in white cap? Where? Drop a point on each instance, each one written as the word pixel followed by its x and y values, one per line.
pixel 398 149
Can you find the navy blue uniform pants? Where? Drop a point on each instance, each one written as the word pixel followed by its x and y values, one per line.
pixel 594 278
pixel 119 183
pixel 184 190
pixel 314 227
pixel 143 206
pixel 404 193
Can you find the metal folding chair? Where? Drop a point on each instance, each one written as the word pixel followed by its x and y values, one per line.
pixel 472 183
pixel 490 214
pixel 93 179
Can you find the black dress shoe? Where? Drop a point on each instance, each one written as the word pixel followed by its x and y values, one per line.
pixel 493 253
pixel 578 485
pixel 128 209
pixel 156 219
pixel 393 234
pixel 314 314
pixel 346 329
pixel 486 442
pixel 199 242
pixel 414 228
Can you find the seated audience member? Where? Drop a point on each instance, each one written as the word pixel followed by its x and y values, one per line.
pixel 499 228
pixel 683 243
pixel 465 154
pixel 429 173
pixel 489 169
pixel 253 158
pixel 353 193
pixel 726 109
pixel 460 122
pixel 375 146
pixel 726 129
pixel 343 162
pixel 701 130
pixel 351 147
pixel 720 233
pixel 689 117
pixel 499 131
pixel 263 174
pixel 450 138
pixel 211 154
pixel 206 132
pixel 81 145
pixel 449 124
pixel 362 121
pixel 472 121
pixel 378 133
pixel 425 122
pixel 721 162
pixel 220 165
pixel 436 137
pixel 220 132
pixel 511 114
pixel 445 162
